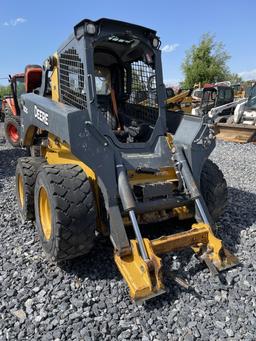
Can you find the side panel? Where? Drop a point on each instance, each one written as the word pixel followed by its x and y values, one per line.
pixel 197 140
pixel 45 114
pixel 10 103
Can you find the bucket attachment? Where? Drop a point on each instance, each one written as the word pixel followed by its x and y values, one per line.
pixel 144 277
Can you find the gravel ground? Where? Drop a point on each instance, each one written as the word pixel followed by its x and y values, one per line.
pixel 87 299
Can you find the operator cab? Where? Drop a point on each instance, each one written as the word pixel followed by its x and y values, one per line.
pixel 24 83
pixel 122 82
pixel 251 103
pixel 18 85
pixel 17 88
pixel 215 96
pixel 125 85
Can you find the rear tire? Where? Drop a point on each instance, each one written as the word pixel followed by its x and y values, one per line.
pixel 26 172
pixel 214 189
pixel 65 211
pixel 12 130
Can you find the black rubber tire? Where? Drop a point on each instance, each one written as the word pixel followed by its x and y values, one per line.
pixel 214 189
pixel 221 119
pixel 73 211
pixel 14 121
pixel 27 168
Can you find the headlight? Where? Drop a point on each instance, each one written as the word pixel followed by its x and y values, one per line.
pixel 155 42
pixel 90 28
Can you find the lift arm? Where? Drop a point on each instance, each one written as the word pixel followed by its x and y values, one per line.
pixel 214 112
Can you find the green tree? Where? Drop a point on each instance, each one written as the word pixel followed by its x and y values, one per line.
pixel 206 63
pixel 5 91
pixel 234 78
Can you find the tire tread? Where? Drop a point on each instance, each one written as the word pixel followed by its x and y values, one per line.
pixel 75 211
pixel 214 189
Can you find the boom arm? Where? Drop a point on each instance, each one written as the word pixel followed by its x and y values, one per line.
pixel 214 112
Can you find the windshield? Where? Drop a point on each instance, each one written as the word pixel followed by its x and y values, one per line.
pixel 20 86
pixel 125 77
pixel 125 80
pixel 251 104
pixel 208 99
pixel 198 93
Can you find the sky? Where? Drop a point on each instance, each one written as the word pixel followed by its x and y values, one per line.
pixel 31 31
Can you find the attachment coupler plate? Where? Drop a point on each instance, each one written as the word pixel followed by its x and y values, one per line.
pixel 144 277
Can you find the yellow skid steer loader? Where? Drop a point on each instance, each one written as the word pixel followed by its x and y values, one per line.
pixel 109 164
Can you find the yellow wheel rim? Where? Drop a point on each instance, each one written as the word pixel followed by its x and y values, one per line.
pixel 45 213
pixel 21 190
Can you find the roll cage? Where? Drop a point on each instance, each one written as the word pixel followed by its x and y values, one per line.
pixel 132 56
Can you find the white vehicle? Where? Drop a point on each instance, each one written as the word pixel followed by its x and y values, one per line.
pixel 245 113
pixel 239 126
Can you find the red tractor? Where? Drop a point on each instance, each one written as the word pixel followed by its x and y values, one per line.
pixel 11 109
pixel 11 105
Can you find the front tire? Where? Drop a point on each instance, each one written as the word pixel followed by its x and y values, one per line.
pixel 214 189
pixel 12 130
pixel 65 211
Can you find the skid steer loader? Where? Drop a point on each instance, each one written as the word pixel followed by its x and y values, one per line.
pixel 109 165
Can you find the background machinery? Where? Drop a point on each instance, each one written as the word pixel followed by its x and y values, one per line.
pixel 235 120
pixel 241 125
pixel 1 112
pixel 181 101
pixel 215 95
pixel 11 104
pixel 11 109
pixel 239 91
pixel 184 100
pixel 108 162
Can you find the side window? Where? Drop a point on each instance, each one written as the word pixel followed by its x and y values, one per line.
pixel 228 94
pixel 214 95
pixel 142 76
pixel 221 94
pixel 20 86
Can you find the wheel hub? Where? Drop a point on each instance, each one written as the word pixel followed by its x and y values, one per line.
pixel 13 133
pixel 45 213
pixel 21 190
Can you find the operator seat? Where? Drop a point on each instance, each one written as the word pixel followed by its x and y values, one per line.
pixel 106 96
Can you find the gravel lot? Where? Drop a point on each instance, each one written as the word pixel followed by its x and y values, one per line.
pixel 86 299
